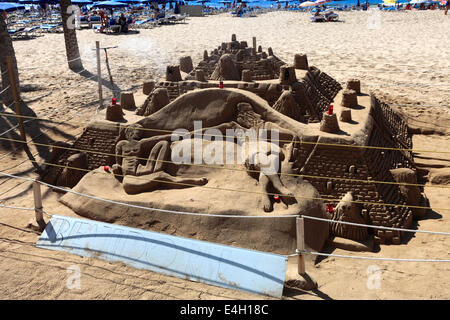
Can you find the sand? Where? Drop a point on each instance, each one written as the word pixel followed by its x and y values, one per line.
pixel 405 61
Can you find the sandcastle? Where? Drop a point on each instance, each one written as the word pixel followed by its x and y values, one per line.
pixel 240 87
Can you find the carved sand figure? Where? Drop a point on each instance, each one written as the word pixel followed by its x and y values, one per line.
pixel 267 163
pixel 348 211
pixel 264 161
pixel 152 174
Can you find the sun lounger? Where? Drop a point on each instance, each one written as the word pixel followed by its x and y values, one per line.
pixel 143 24
pixel 319 18
pixel 50 28
pixel 15 32
pixel 22 33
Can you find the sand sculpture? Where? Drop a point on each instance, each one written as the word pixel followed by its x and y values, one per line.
pixel 348 211
pixel 260 91
pixel 128 167
pixel 156 100
pixel 114 112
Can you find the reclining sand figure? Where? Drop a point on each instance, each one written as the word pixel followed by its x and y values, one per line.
pixel 264 165
pixel 139 178
pixel 219 109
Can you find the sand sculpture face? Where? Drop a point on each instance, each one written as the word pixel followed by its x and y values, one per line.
pixel 134 132
pixel 348 211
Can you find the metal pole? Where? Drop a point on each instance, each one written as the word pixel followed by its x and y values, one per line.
pixel 300 224
pixel 38 204
pixel 109 72
pixel 13 85
pixel 99 74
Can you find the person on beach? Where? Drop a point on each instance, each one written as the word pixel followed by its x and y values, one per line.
pixel 123 23
pixel 447 6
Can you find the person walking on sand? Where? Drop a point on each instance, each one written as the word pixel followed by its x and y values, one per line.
pixel 447 6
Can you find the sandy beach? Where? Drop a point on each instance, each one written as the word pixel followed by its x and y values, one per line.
pixel 403 57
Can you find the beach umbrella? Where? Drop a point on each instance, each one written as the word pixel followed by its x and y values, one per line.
pixel 38 1
pixel 9 7
pixel 418 1
pixel 129 1
pixel 82 2
pixel 308 4
pixel 109 4
pixel 319 2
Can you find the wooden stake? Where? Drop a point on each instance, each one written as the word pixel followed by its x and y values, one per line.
pixel 254 42
pixel 38 204
pixel 300 224
pixel 99 74
pixel 13 85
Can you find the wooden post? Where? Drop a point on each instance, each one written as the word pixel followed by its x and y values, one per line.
pixel 13 85
pixel 300 224
pixel 38 204
pixel 99 74
pixel 254 43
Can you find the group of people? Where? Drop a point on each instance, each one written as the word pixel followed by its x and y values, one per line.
pixel 121 25
pixel 424 6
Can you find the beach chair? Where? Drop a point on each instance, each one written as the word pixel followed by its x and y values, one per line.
pixel 142 24
pixel 51 28
pixel 113 27
pixel 94 20
pixel 318 18
pixel 15 33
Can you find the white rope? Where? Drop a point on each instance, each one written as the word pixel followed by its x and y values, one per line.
pixel 385 71
pixel 4 90
pixel 372 258
pixel 141 207
pixel 69 61
pixel 160 210
pixel 375 227
pixel 18 208
pixel 402 85
pixel 14 127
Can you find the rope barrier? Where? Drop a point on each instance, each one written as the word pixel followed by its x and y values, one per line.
pixel 234 137
pixel 225 216
pixel 4 90
pixel 387 71
pixel 371 258
pixel 375 227
pixel 18 208
pixel 50 65
pixel 235 169
pixel 252 192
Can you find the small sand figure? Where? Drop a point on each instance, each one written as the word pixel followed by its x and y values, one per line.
pixel 152 173
pixel 348 211
pixel 264 164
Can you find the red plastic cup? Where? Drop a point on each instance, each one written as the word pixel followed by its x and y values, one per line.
pixel 330 109
pixel 330 208
pixel 221 84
